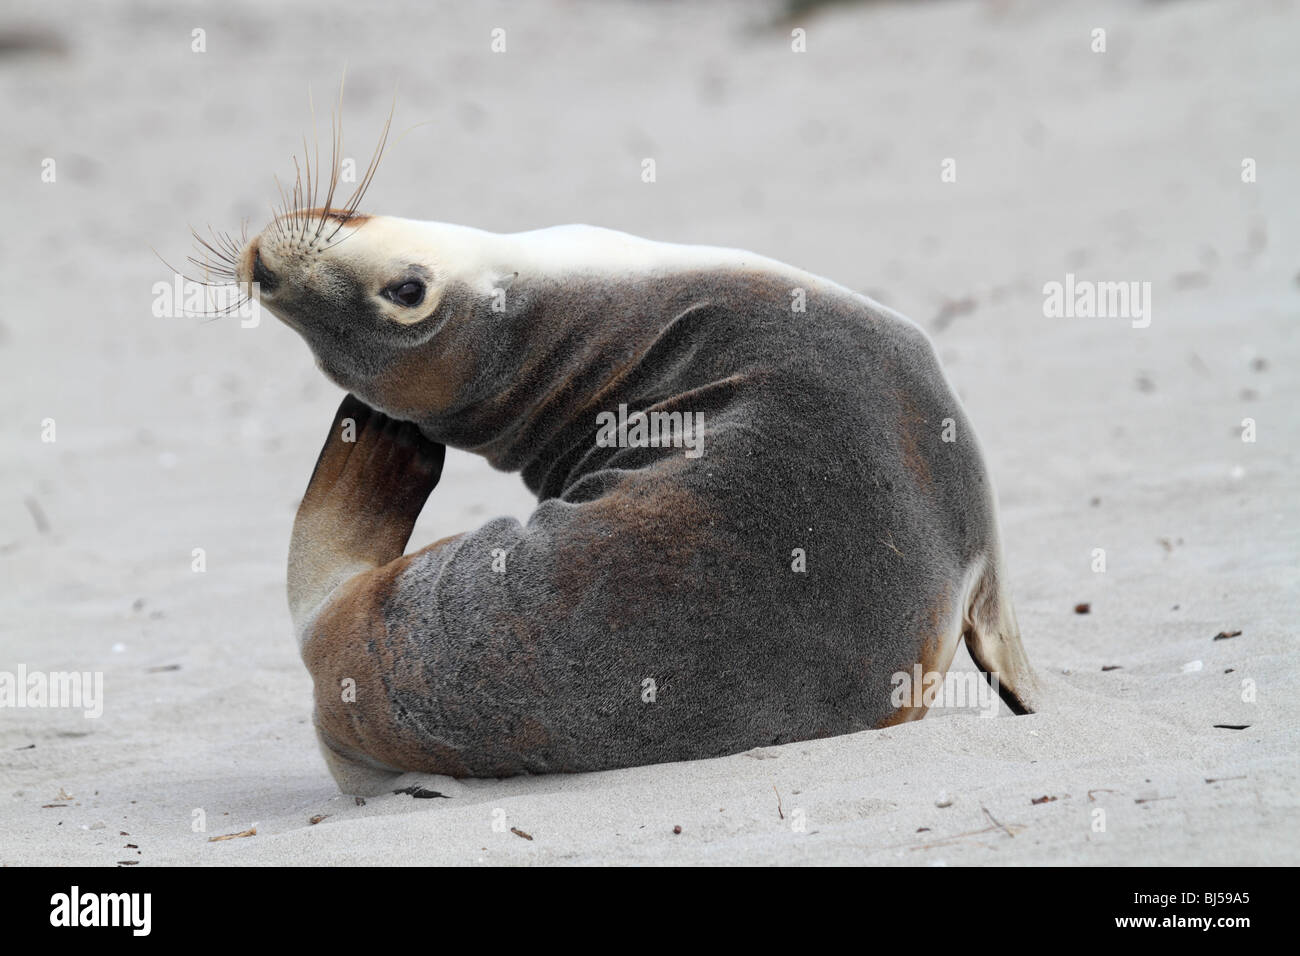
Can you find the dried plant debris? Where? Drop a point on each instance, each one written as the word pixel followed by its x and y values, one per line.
pixel 420 793
pixel 233 836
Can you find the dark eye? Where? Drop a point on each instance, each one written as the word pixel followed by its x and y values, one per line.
pixel 407 293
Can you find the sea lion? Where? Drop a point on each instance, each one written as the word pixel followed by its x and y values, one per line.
pixel 837 528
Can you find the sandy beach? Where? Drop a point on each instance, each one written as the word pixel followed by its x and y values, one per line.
pixel 131 440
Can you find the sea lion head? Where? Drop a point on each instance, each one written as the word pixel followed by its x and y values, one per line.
pixel 399 312
pixel 338 274
pixel 366 293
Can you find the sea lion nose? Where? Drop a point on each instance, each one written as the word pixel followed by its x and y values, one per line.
pixel 263 276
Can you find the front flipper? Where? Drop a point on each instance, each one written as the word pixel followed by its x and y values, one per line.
pixel 371 480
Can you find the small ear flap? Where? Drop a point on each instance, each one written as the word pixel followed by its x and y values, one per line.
pixel 505 281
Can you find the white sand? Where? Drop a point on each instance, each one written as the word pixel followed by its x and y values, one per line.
pixel 174 435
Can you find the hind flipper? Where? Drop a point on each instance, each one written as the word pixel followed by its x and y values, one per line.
pixel 993 639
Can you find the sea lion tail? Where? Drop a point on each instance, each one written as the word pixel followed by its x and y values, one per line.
pixel 993 639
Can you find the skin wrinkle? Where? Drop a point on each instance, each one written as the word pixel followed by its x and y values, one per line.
pixel 640 567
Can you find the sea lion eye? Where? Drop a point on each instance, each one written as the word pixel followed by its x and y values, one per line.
pixel 409 292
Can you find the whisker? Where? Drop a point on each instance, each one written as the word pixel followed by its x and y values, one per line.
pixel 209 272
pixel 285 213
pixel 299 221
pixel 315 136
pixel 275 220
pixel 225 245
pixel 221 255
pixel 355 201
pixel 217 313
pixel 228 243
pixel 186 276
pixel 336 153
pixel 306 162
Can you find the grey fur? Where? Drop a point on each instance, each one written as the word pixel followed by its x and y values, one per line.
pixel 823 432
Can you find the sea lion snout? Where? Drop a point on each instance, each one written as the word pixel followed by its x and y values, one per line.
pixel 253 268
pixel 263 276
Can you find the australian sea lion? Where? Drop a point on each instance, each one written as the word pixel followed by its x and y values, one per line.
pixel 835 527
